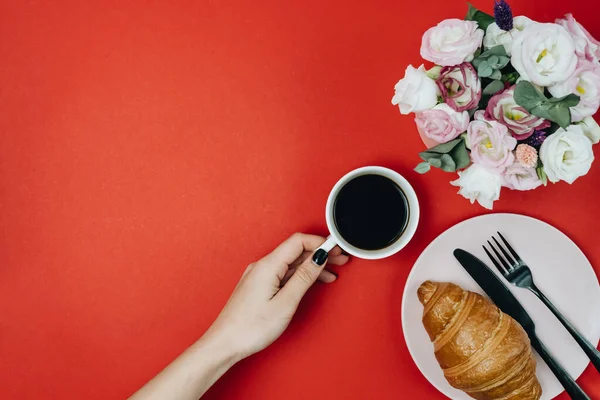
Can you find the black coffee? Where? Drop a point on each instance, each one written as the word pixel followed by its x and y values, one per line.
pixel 371 212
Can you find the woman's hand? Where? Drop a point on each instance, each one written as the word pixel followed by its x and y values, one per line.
pixel 259 310
pixel 267 296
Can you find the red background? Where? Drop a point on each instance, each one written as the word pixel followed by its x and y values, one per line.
pixel 150 150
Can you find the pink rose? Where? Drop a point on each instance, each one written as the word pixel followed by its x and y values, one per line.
pixel 451 42
pixel 518 177
pixel 460 86
pixel 491 144
pixel 585 83
pixel 442 123
pixel 586 47
pixel 503 108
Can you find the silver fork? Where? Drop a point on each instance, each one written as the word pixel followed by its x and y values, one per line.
pixel 514 269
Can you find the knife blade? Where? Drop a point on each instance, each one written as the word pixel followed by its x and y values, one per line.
pixel 508 303
pixel 495 288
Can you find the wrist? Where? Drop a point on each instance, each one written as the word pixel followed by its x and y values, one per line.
pixel 220 347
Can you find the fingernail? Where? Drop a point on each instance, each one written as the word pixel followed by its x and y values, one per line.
pixel 319 257
pixel 336 275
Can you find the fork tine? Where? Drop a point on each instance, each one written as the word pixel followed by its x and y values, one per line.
pixel 505 264
pixel 510 260
pixel 496 263
pixel 509 247
pixel 500 258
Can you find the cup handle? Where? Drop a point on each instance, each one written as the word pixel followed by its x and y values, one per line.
pixel 329 244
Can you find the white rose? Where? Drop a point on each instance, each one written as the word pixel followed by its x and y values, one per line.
pixel 567 154
pixel 586 47
pixel 590 129
pixel 585 83
pixel 544 54
pixel 478 183
pixel 415 92
pixel 451 42
pixel 494 36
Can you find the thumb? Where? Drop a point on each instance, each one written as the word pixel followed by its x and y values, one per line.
pixel 305 275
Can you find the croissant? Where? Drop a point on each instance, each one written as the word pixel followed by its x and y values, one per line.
pixel 482 351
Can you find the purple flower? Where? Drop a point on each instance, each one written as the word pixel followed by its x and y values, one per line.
pixel 536 139
pixel 460 86
pixel 503 15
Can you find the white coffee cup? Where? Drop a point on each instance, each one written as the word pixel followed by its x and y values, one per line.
pixel 336 239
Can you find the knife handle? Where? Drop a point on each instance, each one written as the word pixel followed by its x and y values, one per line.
pixel 571 387
pixel 588 348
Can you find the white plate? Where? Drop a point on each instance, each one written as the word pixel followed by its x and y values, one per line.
pixel 559 269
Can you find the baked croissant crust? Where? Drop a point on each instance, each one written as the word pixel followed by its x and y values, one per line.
pixel 482 351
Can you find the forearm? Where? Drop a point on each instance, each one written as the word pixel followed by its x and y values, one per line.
pixel 192 373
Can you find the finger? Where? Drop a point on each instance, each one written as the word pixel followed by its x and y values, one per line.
pixel 287 276
pixel 327 276
pixel 244 274
pixel 338 260
pixel 305 275
pixel 288 251
pixel 247 271
pixel 336 251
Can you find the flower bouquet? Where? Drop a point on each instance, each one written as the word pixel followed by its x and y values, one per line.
pixel 508 103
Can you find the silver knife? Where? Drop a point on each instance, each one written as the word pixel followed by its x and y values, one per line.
pixel 508 303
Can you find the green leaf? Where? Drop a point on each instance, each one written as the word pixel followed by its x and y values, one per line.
pixel 496 74
pixel 570 100
pixel 482 19
pixel 449 156
pixel 493 88
pixel 448 163
pixel 460 155
pixel 423 167
pixel 442 148
pixel 490 62
pixel 502 62
pixel 484 70
pixel 510 77
pixel 534 101
pixel 435 162
pixel 527 96
pixel 495 51
pixel 541 174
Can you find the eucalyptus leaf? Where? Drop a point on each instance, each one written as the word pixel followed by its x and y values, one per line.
pixel 460 155
pixel 448 163
pixel 449 156
pixel 555 109
pixel 484 70
pixel 493 88
pixel 570 100
pixel 502 62
pixel 496 74
pixel 494 51
pixel 423 167
pixel 435 162
pixel 490 62
pixel 426 155
pixel 482 19
pixel 442 148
